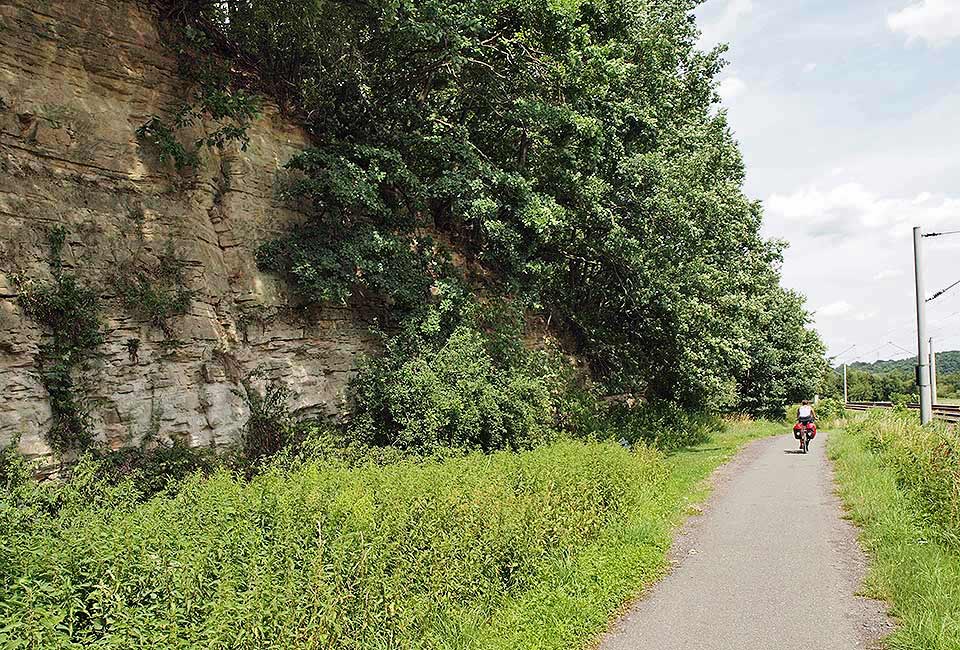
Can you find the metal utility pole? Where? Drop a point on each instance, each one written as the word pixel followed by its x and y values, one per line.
pixel 923 352
pixel 933 373
pixel 846 400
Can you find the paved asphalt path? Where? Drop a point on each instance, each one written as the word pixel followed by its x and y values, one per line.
pixel 770 564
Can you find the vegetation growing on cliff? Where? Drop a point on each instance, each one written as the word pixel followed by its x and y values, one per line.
pixel 575 151
pixel 69 314
pixel 216 99
pixel 155 292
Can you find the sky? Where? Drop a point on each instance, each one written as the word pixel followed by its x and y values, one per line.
pixel 848 116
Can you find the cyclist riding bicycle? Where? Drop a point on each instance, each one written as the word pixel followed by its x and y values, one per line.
pixel 806 418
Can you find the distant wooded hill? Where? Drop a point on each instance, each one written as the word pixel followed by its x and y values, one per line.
pixel 947 363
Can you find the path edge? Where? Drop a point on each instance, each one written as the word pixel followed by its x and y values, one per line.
pixel 684 533
pixel 878 623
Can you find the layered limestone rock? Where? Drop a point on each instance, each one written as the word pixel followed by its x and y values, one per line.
pixel 77 79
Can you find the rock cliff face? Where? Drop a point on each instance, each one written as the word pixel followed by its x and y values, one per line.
pixel 77 79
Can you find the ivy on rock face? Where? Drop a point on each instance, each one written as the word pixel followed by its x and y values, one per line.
pixel 574 150
pixel 156 292
pixel 70 315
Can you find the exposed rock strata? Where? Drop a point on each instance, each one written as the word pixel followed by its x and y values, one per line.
pixel 77 78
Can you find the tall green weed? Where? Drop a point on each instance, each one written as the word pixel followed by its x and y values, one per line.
pixel 882 461
pixel 404 555
pixel 927 465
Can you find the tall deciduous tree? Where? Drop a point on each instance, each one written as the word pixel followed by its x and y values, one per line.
pixel 575 149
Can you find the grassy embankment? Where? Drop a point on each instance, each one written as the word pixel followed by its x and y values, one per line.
pixel 901 484
pixel 531 550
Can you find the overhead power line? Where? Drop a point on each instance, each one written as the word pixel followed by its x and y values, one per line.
pixel 837 356
pixel 940 324
pixel 941 234
pixel 869 352
pixel 899 347
pixel 942 291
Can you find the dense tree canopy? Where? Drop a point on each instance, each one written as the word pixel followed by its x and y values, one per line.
pixel 574 150
pixel 948 362
pixel 888 381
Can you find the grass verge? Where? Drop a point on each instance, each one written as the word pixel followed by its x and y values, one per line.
pixel 577 597
pixel 887 469
pixel 531 550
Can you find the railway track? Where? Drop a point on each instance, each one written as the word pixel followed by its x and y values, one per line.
pixel 945 412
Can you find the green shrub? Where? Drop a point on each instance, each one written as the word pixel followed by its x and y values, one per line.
pixel 14 471
pixel 406 555
pixel 831 408
pixel 166 143
pixel 156 468
pixel 661 424
pixel 327 265
pixel 900 400
pixel 270 426
pixel 588 416
pixel 458 377
pixel 216 100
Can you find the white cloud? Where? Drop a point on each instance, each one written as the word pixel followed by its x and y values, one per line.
pixel 810 67
pixel 838 308
pixel 888 274
pixel 934 21
pixel 731 87
pixel 850 245
pixel 723 26
pixel 843 128
pixel 851 208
